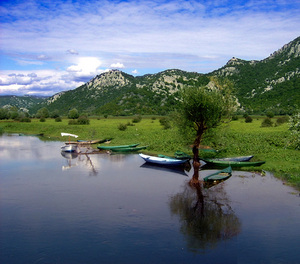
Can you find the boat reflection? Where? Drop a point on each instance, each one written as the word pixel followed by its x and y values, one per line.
pixel 206 216
pixel 174 169
pixel 74 159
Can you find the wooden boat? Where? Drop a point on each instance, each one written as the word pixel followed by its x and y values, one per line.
pixel 240 158
pixel 177 155
pixel 88 142
pixel 94 141
pixel 162 160
pixel 117 147
pixel 181 155
pixel 129 149
pixel 70 147
pixel 222 163
pixel 220 175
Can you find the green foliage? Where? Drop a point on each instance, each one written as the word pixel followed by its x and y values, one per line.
pixel 122 127
pixel 54 114
pixel 83 120
pixel 42 119
pixel 73 122
pixel 281 120
pixel 270 114
pixel 165 122
pixel 4 114
pixel 203 108
pixel 235 118
pixel 25 119
pixel 267 122
pixel 73 114
pixel 294 127
pixel 42 113
pixel 58 119
pixel 137 119
pixel 248 119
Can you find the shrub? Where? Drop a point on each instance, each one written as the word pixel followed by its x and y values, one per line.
pixel 165 122
pixel 270 114
pixel 248 119
pixel 58 119
pixel 83 120
pixel 73 113
pixel 42 119
pixel 122 127
pixel 267 122
pixel 137 119
pixel 294 127
pixel 282 120
pixel 73 122
pixel 235 118
pixel 25 119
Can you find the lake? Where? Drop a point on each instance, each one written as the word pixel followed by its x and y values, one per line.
pixel 102 208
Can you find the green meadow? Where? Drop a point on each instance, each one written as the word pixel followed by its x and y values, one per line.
pixel 235 138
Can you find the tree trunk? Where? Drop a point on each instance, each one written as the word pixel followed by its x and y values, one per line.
pixel 196 160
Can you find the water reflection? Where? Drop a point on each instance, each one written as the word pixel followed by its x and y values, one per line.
pixel 131 213
pixel 206 216
pixel 157 167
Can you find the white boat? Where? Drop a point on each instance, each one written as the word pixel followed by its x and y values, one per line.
pixel 70 147
pixel 162 161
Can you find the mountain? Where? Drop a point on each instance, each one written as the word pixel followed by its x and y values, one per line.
pixel 21 102
pixel 271 84
pixel 118 93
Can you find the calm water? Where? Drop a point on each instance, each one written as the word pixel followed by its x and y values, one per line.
pixel 115 209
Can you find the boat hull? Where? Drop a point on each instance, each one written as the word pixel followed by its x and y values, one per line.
pixel 131 149
pixel 221 163
pixel 117 147
pixel 162 160
pixel 219 176
pixel 70 148
pixel 240 158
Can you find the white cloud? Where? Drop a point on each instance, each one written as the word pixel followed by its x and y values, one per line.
pixel 117 65
pixel 85 67
pixel 134 72
pixel 72 51
pixel 142 35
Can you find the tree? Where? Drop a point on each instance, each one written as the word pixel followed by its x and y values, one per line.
pixel 42 113
pixel 294 127
pixel 203 108
pixel 73 113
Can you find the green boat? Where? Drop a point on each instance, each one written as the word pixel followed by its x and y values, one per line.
pixel 220 175
pixel 117 147
pixel 225 163
pixel 129 149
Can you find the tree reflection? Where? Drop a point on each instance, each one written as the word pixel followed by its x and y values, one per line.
pixel 206 216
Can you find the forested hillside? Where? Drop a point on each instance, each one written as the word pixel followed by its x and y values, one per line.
pixel 271 84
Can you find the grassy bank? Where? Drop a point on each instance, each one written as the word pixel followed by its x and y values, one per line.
pixel 232 139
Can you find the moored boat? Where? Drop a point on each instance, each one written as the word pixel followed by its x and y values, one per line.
pixel 220 175
pixel 225 163
pixel 129 149
pixel 70 147
pixel 239 158
pixel 162 160
pixel 117 147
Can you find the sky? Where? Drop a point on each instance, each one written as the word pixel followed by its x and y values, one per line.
pixel 49 46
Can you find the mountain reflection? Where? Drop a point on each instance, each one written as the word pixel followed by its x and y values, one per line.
pixel 205 215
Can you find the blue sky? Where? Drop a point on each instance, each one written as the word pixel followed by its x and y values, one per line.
pixel 48 46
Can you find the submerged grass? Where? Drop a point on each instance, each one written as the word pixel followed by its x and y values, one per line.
pixel 232 139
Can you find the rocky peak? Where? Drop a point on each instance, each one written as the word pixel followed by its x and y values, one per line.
pixel 292 49
pixel 114 78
